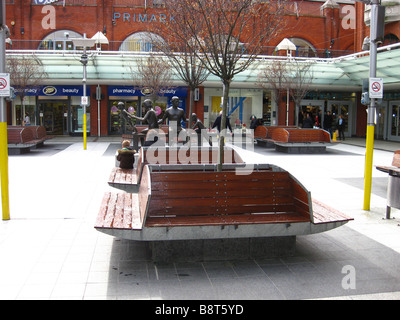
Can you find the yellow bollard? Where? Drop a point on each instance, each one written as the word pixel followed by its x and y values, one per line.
pixel 4 171
pixel 334 138
pixel 84 132
pixel 368 167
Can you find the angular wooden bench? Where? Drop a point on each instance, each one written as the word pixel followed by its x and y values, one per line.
pixel 293 140
pixel 129 179
pixel 22 138
pixel 263 135
pixel 19 140
pixel 183 202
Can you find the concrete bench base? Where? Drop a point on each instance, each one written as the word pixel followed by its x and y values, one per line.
pixel 301 148
pixel 222 249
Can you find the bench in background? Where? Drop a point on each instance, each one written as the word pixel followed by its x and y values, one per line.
pixel 293 140
pixel 263 135
pixel 21 139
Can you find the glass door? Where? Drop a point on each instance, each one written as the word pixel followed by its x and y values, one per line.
pixel 343 108
pixel 394 121
pixel 53 113
pixel 315 108
pixel 381 122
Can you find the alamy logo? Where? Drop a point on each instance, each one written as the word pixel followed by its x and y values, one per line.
pixel 349 280
pixel 349 19
pixel 49 20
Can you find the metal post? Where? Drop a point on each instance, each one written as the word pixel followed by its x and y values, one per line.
pixel 3 121
pixel 84 60
pixel 371 108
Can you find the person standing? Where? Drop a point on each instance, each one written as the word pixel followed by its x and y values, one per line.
pixel 308 122
pixel 341 127
pixel 27 120
pixel 328 120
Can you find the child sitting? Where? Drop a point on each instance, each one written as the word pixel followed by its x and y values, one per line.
pixel 126 155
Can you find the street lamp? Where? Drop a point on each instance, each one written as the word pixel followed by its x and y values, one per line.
pixel 289 46
pixel 84 43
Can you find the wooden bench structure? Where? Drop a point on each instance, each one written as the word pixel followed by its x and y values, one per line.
pixel 129 179
pixel 295 140
pixel 188 202
pixel 263 135
pixel 22 138
pixel 393 189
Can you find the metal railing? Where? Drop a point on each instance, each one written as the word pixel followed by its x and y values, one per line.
pixel 116 46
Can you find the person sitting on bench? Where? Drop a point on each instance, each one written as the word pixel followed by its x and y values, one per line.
pixel 126 156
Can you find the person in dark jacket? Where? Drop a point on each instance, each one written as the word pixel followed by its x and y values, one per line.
pixel 341 125
pixel 126 156
pixel 217 123
pixel 307 122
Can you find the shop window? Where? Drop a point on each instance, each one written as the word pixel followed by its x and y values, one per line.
pixel 140 41
pixel 303 48
pixel 59 40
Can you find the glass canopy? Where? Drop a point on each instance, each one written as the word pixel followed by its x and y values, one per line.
pixel 106 67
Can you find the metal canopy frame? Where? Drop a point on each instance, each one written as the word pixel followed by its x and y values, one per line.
pixel 110 67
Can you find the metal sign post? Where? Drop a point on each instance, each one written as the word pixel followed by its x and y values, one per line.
pixel 3 118
pixel 85 43
pixel 374 87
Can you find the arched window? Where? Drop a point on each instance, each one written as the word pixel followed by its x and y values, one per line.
pixel 59 40
pixel 140 41
pixel 390 39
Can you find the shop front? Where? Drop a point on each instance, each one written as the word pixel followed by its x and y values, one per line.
pixel 57 108
pixel 130 98
pixel 242 105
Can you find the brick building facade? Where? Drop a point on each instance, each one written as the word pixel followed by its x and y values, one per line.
pixel 323 29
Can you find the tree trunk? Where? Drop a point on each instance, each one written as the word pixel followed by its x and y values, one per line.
pixel 191 103
pixel 226 85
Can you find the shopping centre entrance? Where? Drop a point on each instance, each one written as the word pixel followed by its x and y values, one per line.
pixel 53 116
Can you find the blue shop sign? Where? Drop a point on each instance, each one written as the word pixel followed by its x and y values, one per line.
pixel 44 2
pixel 55 91
pixel 142 92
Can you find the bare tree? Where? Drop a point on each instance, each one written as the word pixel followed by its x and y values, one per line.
pixel 216 28
pixel 25 72
pixel 299 80
pixel 152 73
pixel 273 76
pixel 189 68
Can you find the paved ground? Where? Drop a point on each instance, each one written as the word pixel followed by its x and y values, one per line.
pixel 50 250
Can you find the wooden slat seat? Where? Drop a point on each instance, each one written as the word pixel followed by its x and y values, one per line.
pixel 394 169
pixel 19 135
pixel 267 140
pixel 129 179
pixel 22 138
pixel 260 132
pixel 323 213
pixel 194 199
pixel 295 140
pixel 261 196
